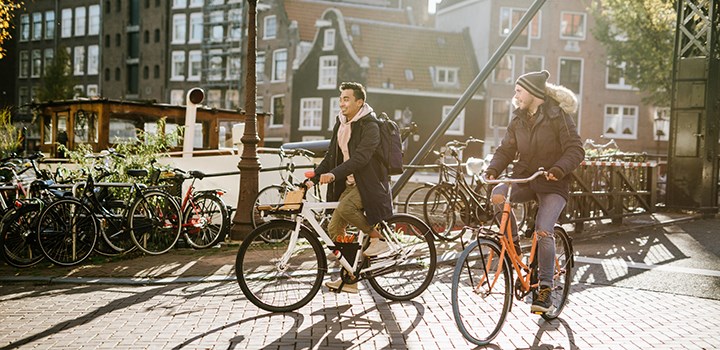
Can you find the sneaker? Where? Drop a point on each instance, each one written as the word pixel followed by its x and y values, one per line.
pixel 376 247
pixel 347 288
pixel 543 301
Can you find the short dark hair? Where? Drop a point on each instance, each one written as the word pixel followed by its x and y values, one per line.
pixel 357 88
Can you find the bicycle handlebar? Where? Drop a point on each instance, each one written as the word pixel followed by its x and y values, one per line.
pixel 507 180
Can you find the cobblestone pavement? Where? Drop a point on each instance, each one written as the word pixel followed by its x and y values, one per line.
pixel 651 286
pixel 217 316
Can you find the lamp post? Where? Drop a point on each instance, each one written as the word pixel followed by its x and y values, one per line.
pixel 249 164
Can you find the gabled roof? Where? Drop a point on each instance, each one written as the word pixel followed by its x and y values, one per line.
pixel 307 12
pixel 391 49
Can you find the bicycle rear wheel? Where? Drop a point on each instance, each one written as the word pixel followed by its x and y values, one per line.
pixel 271 195
pixel 67 232
pixel 274 284
pixel 410 268
pixel 444 210
pixel 481 291
pixel 115 231
pixel 415 201
pixel 206 221
pixel 155 222
pixel 562 279
pixel 18 238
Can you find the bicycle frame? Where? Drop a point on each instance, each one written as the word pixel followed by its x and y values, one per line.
pixel 307 211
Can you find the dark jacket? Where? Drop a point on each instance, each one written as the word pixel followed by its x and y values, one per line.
pixel 370 174
pixel 552 141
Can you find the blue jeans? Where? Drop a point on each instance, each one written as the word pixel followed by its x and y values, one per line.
pixel 550 205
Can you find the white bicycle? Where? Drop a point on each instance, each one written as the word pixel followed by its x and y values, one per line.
pixel 286 274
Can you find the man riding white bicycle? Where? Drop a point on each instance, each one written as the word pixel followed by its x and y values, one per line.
pixel 355 175
pixel 543 134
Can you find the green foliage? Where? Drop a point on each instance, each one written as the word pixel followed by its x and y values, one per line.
pixel 641 34
pixel 57 83
pixel 141 154
pixel 10 136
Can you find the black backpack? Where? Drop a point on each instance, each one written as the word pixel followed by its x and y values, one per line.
pixel 390 149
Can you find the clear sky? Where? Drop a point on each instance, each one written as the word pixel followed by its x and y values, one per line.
pixel 431 5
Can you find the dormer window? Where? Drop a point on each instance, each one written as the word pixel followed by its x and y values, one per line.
pixel 446 76
pixel 329 39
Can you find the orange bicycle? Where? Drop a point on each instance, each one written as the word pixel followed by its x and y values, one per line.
pixel 483 283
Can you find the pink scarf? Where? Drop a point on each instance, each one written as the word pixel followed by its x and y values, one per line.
pixel 344 131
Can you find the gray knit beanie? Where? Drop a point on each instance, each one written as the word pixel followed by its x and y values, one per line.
pixel 534 83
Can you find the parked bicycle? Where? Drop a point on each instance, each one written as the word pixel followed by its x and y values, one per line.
pixel 286 274
pixel 483 283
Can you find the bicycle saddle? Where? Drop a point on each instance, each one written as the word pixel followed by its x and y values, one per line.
pixel 197 174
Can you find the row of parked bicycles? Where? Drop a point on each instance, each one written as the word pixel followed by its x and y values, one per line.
pixel 65 219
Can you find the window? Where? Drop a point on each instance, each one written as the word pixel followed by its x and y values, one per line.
pixel 93 60
pixel 93 91
pixel 49 56
pixel 214 98
pixel 500 113
pixel 94 21
pixel 616 77
pixel 117 74
pixel 533 63
pixel 24 27
pixel 179 4
pixel 334 112
pixel 122 131
pixel 177 97
pixel 37 24
pixel 196 27
pixel 260 67
pixel 215 65
pixel 196 3
pixel 571 74
pixel 278 111
pixel 133 79
pixel 216 29
pixel 329 39
pixel 279 65
pixel 310 113
pixel 156 71
pixel 79 91
pixel 661 124
pixel 36 66
pixel 409 75
pixel 270 27
pixel 157 35
pixel 178 30
pixel 177 68
pixel 572 25
pixel 445 76
pixel 79 60
pixel 458 126
pixel 106 73
pixel 194 65
pixel 233 66
pixel 66 24
pixel 232 99
pixel 118 40
pixel 23 98
pixel 234 24
pixel 327 72
pixel 86 127
pixel 24 64
pixel 49 24
pixel 504 72
pixel 620 122
pixel 80 19
pixel 509 18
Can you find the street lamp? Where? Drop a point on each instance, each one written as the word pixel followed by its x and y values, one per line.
pixel 660 134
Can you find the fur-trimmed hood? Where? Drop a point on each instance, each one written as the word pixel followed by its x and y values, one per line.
pixel 565 98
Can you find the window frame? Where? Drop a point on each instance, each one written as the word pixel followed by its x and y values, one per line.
pixel 542 63
pixel 620 85
pixel 267 34
pixel 328 39
pixel 327 73
pixel 564 36
pixel 491 122
pixel 273 120
pixel 80 27
pixel 310 116
pixel 190 62
pixel 276 66
pixel 79 60
pixel 448 81
pixel 66 23
pixel 608 120
pixel 510 80
pixel 459 129
pixel 196 22
pixel 179 29
pixel 560 73
pixel 177 73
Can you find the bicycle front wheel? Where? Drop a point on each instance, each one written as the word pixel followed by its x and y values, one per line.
pixel 481 291
pixel 67 232
pixel 444 210
pixel 411 266
pixel 562 278
pixel 155 222
pixel 284 275
pixel 206 221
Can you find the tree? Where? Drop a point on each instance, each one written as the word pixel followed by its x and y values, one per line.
pixel 639 34
pixel 57 84
pixel 7 12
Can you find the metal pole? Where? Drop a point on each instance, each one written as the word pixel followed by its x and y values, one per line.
pixel 249 164
pixel 467 95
